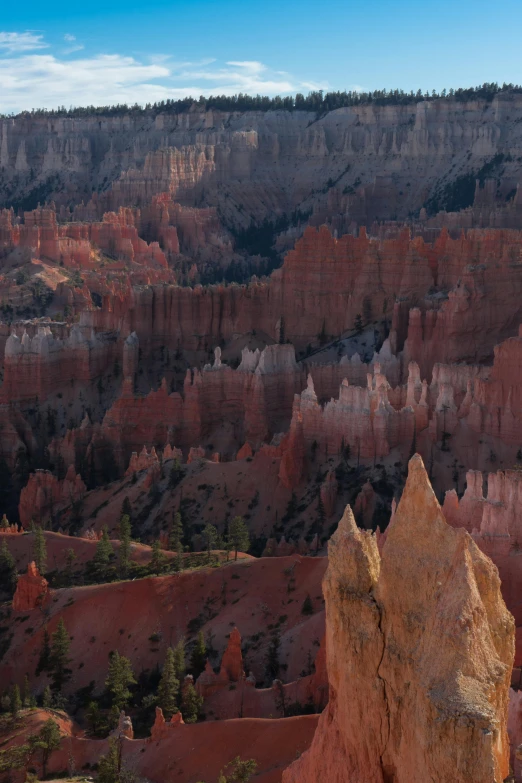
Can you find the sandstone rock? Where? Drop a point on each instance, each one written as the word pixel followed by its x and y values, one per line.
pixel 515 732
pixel 232 661
pixel 31 591
pixel 415 640
pixel 231 670
pixel 328 492
pixel 145 461
pixel 161 729
pixel 245 451
pixel 195 453
pixel 44 495
pixel 364 507
pixel 124 727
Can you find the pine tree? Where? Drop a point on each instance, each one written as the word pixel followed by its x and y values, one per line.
pixel 179 562
pixel 176 474
pixel 191 703
pixel 109 765
pixel 358 324
pixel 210 537
pixel 119 678
pixel 321 514
pixel 179 660
pixel 125 544
pixel 102 556
pixel 169 686
pixel 59 657
pixel 272 657
pixel 238 536
pixel 40 550
pixel 94 716
pixel 126 508
pixel 8 573
pixel 242 771
pixel 48 740
pixel 70 557
pixel 198 658
pixel 26 692
pixel 157 561
pixel 15 702
pixel 47 698
pixel 176 533
pixel 307 607
pixel 45 654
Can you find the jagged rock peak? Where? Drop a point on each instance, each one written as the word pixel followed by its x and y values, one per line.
pixel 419 650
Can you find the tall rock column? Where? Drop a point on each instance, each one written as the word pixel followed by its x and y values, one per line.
pixel 131 352
pixel 419 654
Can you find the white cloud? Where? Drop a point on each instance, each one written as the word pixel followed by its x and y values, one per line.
pixel 249 65
pixel 21 42
pixel 74 48
pixel 46 80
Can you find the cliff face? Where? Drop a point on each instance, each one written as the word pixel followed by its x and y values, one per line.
pixel 419 654
pixel 387 160
pixel 467 293
pixel 44 496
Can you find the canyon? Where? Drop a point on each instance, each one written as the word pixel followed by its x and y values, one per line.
pixel 260 403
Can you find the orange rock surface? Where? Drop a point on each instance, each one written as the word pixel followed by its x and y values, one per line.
pixel 416 639
pixel 31 590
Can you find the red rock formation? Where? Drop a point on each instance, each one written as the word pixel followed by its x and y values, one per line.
pixel 75 245
pixel 31 590
pixel 245 451
pixel 329 280
pixel 362 418
pixel 328 492
pixel 495 522
pixel 483 301
pixel 256 399
pixel 515 733
pixel 35 368
pixel 195 453
pixel 124 727
pixel 145 461
pixel 161 729
pixel 364 506
pixel 245 700
pixel 44 495
pixel 416 639
pixel 231 670
pixel 293 454
pixel 232 661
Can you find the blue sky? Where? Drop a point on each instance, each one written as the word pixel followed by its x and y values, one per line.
pixel 74 53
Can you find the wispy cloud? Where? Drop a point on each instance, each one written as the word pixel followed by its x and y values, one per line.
pixel 21 42
pixel 73 45
pixel 31 79
pixel 73 48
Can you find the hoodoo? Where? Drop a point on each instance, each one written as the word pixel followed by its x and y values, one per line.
pixel 419 654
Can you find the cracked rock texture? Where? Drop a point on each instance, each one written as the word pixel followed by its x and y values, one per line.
pixel 419 653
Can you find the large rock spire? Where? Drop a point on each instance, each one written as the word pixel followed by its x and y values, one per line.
pixel 419 652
